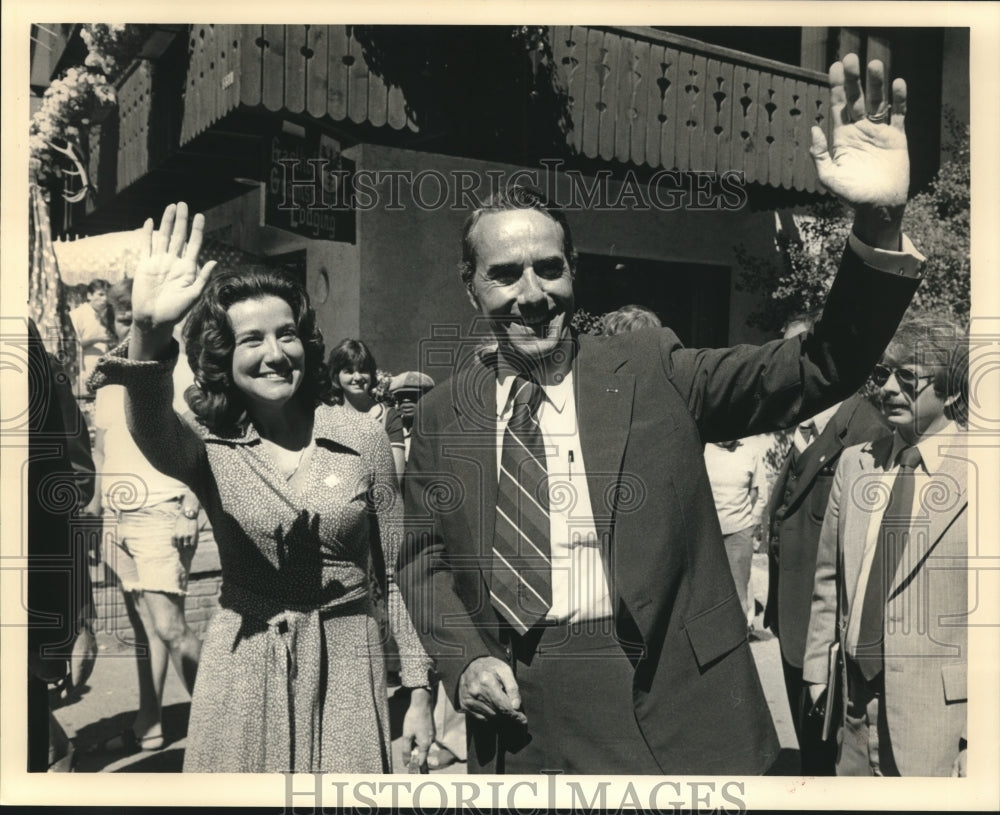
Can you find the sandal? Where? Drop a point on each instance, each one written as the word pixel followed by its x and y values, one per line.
pixel 127 743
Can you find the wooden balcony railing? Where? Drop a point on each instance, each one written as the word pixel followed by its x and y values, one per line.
pixel 318 70
pixel 643 96
pixel 636 96
pixel 135 106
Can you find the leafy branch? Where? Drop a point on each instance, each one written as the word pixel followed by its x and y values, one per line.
pixel 797 276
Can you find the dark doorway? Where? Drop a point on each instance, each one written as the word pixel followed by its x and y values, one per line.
pixel 692 299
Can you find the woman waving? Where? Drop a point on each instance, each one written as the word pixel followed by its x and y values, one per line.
pixel 305 507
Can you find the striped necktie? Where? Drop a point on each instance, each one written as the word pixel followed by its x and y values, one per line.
pixel 892 535
pixel 521 580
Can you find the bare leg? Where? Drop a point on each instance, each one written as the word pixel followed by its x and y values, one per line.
pixel 151 663
pixel 171 629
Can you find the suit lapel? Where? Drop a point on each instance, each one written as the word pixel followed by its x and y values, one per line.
pixel 774 501
pixel 473 451
pixel 942 499
pixel 816 456
pixel 604 411
pixel 856 523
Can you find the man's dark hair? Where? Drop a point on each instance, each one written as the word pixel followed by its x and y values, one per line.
pixel 119 301
pixel 120 295
pixel 98 284
pixel 958 384
pixel 514 197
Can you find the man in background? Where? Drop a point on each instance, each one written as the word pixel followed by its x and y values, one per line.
pixel 61 644
pixel 407 388
pixel 794 518
pixel 891 587
pixel 93 333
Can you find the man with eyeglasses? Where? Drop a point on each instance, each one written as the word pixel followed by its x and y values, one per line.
pixel 890 593
pixel 793 520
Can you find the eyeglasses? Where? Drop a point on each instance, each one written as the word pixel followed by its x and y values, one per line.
pixel 906 377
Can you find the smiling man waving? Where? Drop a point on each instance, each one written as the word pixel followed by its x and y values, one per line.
pixel 563 561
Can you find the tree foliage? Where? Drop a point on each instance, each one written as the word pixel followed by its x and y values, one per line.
pixel 587 323
pixel 938 221
pixel 797 276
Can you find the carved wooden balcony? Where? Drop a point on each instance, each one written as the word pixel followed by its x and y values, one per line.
pixel 637 96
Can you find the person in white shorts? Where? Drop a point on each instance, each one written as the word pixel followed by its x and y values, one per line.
pixel 153 521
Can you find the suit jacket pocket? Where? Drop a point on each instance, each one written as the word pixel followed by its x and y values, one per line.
pixel 954 678
pixel 717 631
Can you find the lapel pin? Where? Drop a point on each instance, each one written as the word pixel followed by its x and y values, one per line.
pixel 612 390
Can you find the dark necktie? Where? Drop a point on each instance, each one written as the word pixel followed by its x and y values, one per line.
pixel 889 547
pixel 803 436
pixel 521 583
pixel 808 430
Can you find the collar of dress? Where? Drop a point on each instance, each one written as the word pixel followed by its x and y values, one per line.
pixel 328 425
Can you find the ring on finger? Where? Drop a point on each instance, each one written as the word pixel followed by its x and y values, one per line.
pixel 879 118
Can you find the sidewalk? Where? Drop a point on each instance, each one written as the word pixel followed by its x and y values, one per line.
pixel 107 705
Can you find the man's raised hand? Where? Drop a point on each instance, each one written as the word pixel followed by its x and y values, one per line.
pixel 868 164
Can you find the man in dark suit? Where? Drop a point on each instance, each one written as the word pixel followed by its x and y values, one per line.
pixel 563 560
pixel 794 518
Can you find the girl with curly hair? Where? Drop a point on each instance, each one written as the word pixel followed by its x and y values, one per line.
pixel 305 507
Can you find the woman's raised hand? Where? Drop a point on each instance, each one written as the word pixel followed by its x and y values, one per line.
pixel 167 279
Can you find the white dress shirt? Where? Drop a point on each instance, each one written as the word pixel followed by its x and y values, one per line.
pixel 580 587
pixel 818 425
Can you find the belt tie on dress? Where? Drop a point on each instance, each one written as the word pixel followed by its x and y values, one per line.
pixel 293 676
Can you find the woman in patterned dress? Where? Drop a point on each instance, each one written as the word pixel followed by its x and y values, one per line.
pixel 305 507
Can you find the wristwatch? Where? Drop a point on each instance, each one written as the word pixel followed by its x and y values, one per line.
pixel 187 512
